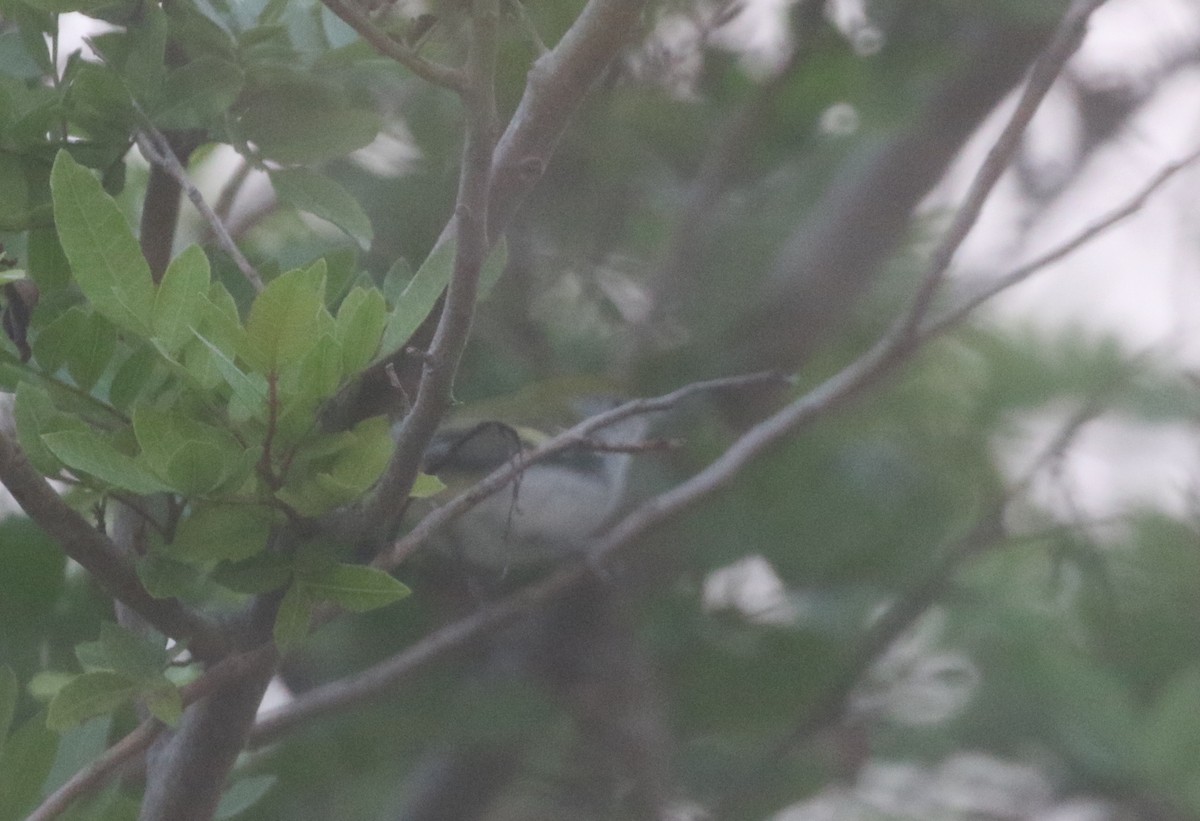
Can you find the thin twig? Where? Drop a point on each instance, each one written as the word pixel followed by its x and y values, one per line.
pixel 1018 275
pixel 376 681
pixel 452 78
pixel 101 770
pixel 1045 71
pixel 153 144
pixel 439 518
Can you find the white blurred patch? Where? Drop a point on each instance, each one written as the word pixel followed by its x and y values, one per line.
pixel 839 120
pixel 276 695
pixel 915 683
pixel 753 589
pixel 393 153
pixel 1114 466
pixel 965 785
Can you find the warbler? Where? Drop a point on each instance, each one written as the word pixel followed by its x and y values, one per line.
pixel 556 504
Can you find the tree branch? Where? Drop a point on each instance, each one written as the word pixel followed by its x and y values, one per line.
pixel 454 509
pixel 895 347
pixel 434 392
pixel 444 76
pixel 955 315
pixel 556 86
pixel 100 771
pixel 1046 70
pixel 157 149
pixel 985 533
pixel 99 556
pixel 374 682
pixel 837 253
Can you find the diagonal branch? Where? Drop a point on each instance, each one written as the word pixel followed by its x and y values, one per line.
pixel 104 768
pixel 1045 71
pixel 1127 209
pixel 508 473
pixel 157 148
pixel 557 85
pixel 451 78
pixel 99 556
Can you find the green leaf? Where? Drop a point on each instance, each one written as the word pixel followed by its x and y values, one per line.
pixel 164 577
pixel 122 651
pixel 301 120
pixel 25 764
pixel 35 414
pixel 259 574
pixel 140 370
pixel 48 265
pixel 317 377
pixel 249 390
pixel 164 702
pixel 179 302
pixel 357 587
pixel 82 340
pixel 279 330
pixel 310 191
pixel 242 795
pixel 92 454
pixel 292 618
pixel 215 532
pixel 419 297
pixel 426 485
pixel 341 271
pixel 194 458
pixel 396 280
pixel 195 470
pixel 360 322
pixel 341 469
pixel 423 290
pixel 198 92
pixel 88 695
pixel 104 256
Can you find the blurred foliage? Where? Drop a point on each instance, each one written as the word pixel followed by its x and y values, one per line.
pixel 1085 646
